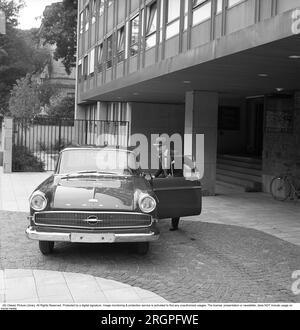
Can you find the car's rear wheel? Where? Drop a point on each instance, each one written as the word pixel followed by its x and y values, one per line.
pixel 143 248
pixel 46 247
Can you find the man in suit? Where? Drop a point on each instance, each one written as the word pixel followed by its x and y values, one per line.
pixel 167 168
pixel 167 160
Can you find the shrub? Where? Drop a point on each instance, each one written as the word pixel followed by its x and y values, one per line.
pixel 25 161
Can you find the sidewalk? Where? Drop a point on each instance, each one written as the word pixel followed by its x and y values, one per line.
pixel 16 188
pixel 46 287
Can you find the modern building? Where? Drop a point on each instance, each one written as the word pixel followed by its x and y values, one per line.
pixel 228 69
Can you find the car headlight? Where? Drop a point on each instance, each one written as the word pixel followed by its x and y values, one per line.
pixel 38 201
pixel 147 203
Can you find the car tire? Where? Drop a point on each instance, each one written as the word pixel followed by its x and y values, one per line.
pixel 143 248
pixel 46 247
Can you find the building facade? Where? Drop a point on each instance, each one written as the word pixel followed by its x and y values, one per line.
pixel 54 73
pixel 228 69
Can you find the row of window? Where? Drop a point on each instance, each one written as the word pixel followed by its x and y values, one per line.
pixel 125 42
pixel 113 111
pixel 91 10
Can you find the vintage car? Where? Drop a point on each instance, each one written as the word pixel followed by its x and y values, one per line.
pixel 100 195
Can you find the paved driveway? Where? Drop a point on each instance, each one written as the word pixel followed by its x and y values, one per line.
pixel 243 248
pixel 203 262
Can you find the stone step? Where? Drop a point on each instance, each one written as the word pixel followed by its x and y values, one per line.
pixel 255 166
pixel 248 184
pixel 236 174
pixel 249 160
pixel 231 186
pixel 239 169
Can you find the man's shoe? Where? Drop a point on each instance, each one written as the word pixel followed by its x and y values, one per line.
pixel 174 229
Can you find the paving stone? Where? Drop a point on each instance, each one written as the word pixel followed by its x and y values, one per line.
pixel 203 262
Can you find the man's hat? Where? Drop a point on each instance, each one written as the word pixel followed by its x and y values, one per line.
pixel 160 141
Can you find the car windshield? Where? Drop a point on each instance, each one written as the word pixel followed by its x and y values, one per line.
pixel 98 161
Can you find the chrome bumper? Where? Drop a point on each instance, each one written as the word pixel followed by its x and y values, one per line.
pixel 66 237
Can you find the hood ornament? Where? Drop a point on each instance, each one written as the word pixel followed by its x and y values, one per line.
pixel 93 201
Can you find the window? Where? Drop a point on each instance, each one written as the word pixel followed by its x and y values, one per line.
pixel 134 35
pixel 201 11
pixel 173 15
pixel 92 62
pixel 81 23
pixel 85 67
pixel 151 25
pixel 186 14
pixel 219 6
pixel 94 11
pixel 79 72
pixel 231 3
pixel 173 10
pixel 109 52
pixel 121 45
pixel 101 7
pixel 100 58
pixel 87 17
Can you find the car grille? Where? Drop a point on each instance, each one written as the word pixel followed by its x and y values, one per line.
pixel 92 220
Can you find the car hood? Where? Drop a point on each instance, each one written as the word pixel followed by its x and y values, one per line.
pixel 97 193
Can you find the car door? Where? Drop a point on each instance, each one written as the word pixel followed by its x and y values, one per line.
pixel 177 197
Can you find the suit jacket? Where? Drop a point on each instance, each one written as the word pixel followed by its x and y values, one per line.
pixel 165 172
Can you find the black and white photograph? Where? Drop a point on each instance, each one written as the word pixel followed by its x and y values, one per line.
pixel 149 156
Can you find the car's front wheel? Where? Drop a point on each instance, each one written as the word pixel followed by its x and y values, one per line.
pixel 143 248
pixel 46 247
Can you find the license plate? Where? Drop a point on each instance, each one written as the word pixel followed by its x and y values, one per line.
pixel 92 238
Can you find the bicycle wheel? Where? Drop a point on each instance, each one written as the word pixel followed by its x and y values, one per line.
pixel 280 189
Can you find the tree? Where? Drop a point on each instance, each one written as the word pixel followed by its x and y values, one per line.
pixel 46 92
pixel 59 27
pixel 62 107
pixel 20 53
pixel 11 9
pixel 24 100
pixel 7 71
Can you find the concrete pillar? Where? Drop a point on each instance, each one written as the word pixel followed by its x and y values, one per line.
pixel 201 117
pixel 102 110
pixel 80 112
pixel 7 145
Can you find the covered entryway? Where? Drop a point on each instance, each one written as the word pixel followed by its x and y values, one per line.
pixel 240 145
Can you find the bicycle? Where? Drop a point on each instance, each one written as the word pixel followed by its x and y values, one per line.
pixel 286 186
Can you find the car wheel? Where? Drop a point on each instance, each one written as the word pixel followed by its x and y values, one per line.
pixel 143 248
pixel 46 247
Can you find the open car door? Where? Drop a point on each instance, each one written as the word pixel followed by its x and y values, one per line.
pixel 177 197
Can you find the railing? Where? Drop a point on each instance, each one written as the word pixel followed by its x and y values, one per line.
pixel 39 140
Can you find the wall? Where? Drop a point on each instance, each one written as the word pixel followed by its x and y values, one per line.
pixel 148 118
pixel 280 148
